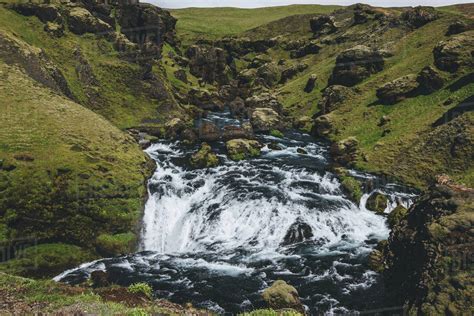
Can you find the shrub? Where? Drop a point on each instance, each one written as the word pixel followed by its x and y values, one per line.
pixel 141 288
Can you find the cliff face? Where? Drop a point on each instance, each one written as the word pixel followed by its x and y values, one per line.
pixel 429 255
pixel 72 75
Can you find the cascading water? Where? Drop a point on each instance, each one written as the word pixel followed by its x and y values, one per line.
pixel 217 237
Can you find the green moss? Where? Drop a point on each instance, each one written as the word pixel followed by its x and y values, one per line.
pixel 204 157
pixel 276 133
pixel 396 215
pixel 46 260
pixel 353 187
pixel 111 245
pixel 141 288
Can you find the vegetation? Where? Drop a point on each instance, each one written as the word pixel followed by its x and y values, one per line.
pixel 214 23
pixel 142 288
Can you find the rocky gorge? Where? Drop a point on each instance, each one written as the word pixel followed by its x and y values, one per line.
pixel 272 156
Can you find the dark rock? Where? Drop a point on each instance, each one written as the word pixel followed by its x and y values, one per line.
pixel 259 61
pixel 384 120
pixel 457 27
pixel 298 232
pixel 292 71
pixel 247 76
pixel 189 136
pixel 81 21
pixel 377 202
pixel 232 132
pixel 208 63
pixel 205 100
pixel 274 146
pixel 455 52
pixel 310 84
pixel 237 108
pixel 398 89
pixel 419 16
pixel 263 100
pixel 174 127
pixel 99 278
pixel 465 106
pixel 429 80
pixel 333 96
pixel 44 12
pixel 310 48
pixel 180 74
pixel 396 215
pixel 323 25
pixel 301 151
pixel 345 152
pixel 269 72
pixel 322 126
pixel 356 64
pixel 208 132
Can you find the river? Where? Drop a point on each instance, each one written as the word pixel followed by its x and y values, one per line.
pixel 218 237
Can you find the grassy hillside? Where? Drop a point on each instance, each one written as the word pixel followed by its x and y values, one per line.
pixel 214 23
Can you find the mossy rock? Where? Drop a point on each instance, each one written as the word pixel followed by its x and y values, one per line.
pixel 282 295
pixel 276 133
pixel 112 245
pixel 272 312
pixel 204 157
pixel 46 260
pixel 396 215
pixel 239 149
pixel 352 187
pixel 377 202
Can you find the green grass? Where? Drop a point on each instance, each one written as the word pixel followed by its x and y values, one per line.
pixel 214 23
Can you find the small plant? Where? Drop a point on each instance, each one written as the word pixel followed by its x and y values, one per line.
pixel 141 288
pixel 276 133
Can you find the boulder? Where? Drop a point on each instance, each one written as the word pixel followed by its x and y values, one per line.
pixel 398 89
pixel 429 80
pixel 310 84
pixel 310 48
pixel 204 157
pixel 419 16
pixel 99 278
pixel 259 61
pixel 345 152
pixel 396 215
pixel 274 146
pixel 208 63
pixel 292 71
pixel 301 151
pixel 457 27
pixel 239 149
pixel 322 126
pixel 356 64
pixel 376 258
pixel 455 52
pixel 264 100
pixel 332 97
pixel 205 100
pixel 323 24
pixel 282 295
pixel 81 21
pixel 238 109
pixel 265 120
pixel 232 132
pixel 298 232
pixel 44 12
pixel 208 132
pixel 302 123
pixel 174 127
pixel 270 74
pixel 377 202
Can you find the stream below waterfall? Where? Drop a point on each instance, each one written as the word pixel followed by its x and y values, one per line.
pixel 218 237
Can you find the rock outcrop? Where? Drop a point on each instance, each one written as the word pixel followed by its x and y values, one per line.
pixel 208 63
pixel 419 16
pixel 81 21
pixel 265 120
pixel 345 152
pixel 377 202
pixel 428 258
pixel 332 98
pixel 455 52
pixel 356 64
pixel 398 89
pixel 323 24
